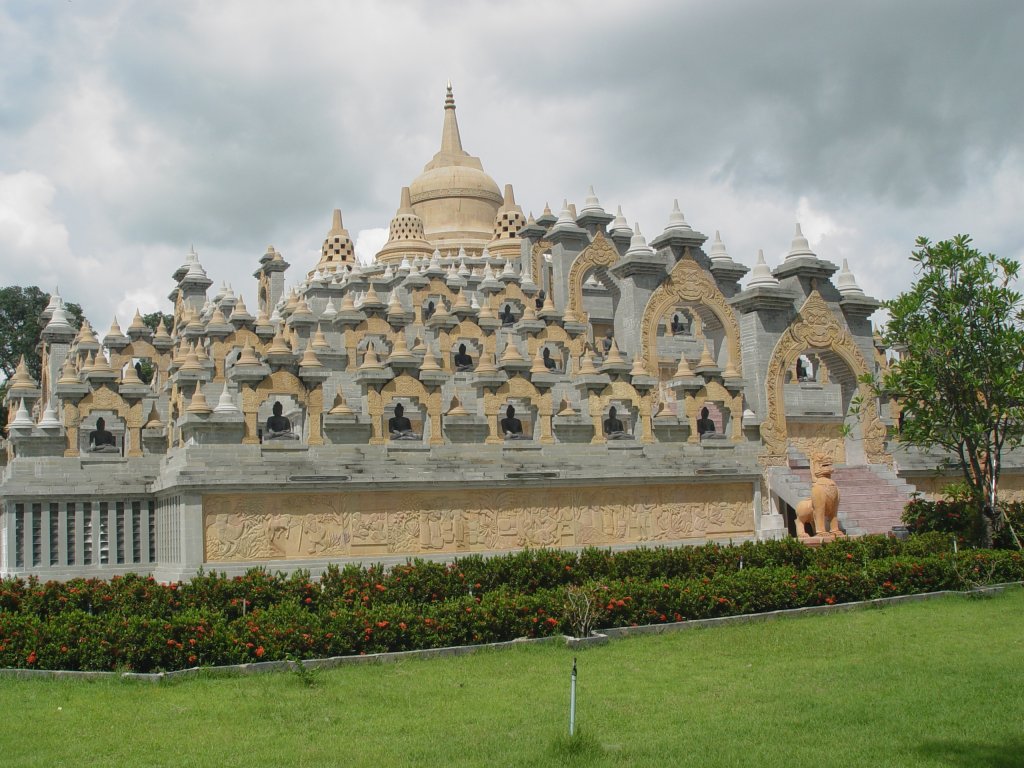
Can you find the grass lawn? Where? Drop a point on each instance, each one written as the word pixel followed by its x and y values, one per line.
pixel 936 683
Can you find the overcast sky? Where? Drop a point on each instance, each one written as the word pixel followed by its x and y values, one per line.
pixel 130 130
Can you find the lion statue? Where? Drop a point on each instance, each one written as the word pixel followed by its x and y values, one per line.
pixel 822 508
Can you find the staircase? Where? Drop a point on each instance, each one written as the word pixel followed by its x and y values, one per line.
pixel 871 498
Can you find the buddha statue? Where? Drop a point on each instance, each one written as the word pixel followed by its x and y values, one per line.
pixel 614 429
pixel 801 370
pixel 539 301
pixel 399 426
pixel 549 361
pixel 677 325
pixel 512 427
pixel 463 362
pixel 278 426
pixel 507 318
pixel 429 311
pixel 606 343
pixel 101 440
pixel 705 426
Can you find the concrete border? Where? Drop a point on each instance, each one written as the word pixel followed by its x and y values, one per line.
pixel 597 638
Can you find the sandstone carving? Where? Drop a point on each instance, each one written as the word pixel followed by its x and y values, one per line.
pixel 822 508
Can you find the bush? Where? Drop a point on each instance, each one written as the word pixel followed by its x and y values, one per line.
pixel 136 623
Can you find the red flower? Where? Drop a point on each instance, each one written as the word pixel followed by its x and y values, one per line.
pixel 382 624
pixel 32 658
pixel 401 625
pixel 309 600
pixel 260 652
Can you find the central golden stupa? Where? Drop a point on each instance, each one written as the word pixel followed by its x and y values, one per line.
pixel 452 205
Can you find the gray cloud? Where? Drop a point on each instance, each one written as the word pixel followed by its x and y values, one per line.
pixel 145 127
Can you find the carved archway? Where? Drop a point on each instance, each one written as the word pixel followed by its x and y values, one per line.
pixel 715 392
pixel 405 386
pixel 537 260
pixel 284 383
pixel 600 254
pixel 817 328
pixel 104 398
pixel 466 329
pixel 519 387
pixel 622 391
pixel 688 281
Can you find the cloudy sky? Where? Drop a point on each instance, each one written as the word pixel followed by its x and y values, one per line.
pixel 130 130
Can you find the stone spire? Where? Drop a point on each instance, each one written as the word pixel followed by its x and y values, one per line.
pixel 800 248
pixel 846 283
pixel 451 142
pixel 761 276
pixel 406 234
pixel 337 249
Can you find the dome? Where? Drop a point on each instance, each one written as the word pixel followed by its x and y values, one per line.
pixel 456 200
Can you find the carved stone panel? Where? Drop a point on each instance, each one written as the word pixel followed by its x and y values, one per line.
pixel 276 526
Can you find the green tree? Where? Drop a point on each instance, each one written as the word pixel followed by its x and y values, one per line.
pixel 961 370
pixel 152 320
pixel 20 326
pixel 19 333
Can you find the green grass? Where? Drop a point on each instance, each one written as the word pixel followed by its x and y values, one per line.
pixel 935 683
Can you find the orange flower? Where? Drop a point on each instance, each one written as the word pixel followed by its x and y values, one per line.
pixel 260 652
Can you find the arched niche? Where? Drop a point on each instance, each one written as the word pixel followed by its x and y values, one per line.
pixel 405 386
pixel 106 400
pixel 816 328
pixel 478 340
pixel 282 383
pixel 371 326
pixel 622 392
pixel 596 258
pixel 220 349
pixel 524 390
pixel 688 283
pixel 143 350
pixel 730 406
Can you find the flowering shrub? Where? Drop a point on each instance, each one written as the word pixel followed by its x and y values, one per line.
pixel 135 623
pixel 956 515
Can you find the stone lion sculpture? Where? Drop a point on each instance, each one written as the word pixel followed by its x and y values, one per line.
pixel 822 508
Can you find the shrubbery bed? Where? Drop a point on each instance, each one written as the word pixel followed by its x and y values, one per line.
pixel 137 624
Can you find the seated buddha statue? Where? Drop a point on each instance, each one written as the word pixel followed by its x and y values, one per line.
pixel 278 426
pixel 463 362
pixel 511 427
pixel 399 426
pixel 101 440
pixel 614 429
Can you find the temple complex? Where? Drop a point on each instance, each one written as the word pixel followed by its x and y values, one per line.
pixel 491 381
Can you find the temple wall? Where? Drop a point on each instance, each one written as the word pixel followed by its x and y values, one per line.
pixel 254 528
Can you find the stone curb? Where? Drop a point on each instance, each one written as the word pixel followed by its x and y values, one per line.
pixel 596 639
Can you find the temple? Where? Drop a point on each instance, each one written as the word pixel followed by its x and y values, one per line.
pixel 491 381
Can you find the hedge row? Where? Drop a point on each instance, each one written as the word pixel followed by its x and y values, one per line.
pixel 73 638
pixel 421 581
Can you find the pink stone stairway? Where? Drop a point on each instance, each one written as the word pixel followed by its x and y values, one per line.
pixel 871 499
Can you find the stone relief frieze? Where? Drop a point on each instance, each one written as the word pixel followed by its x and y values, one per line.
pixel 257 527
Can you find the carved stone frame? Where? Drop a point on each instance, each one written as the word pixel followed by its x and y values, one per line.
pixel 688 281
pixel 817 328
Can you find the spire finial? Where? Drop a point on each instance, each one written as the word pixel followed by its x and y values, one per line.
pixel 451 142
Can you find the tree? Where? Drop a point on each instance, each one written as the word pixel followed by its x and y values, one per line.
pixel 152 320
pixel 960 376
pixel 20 326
